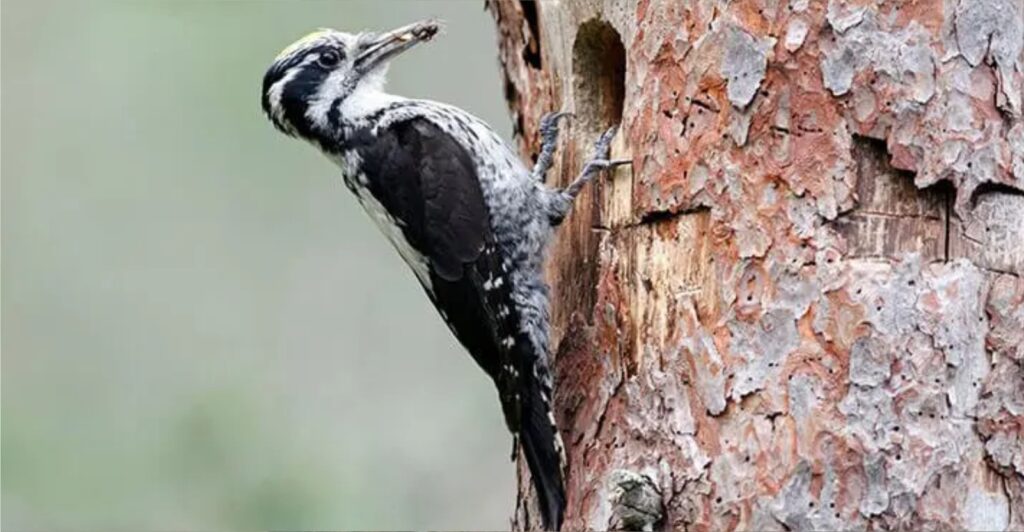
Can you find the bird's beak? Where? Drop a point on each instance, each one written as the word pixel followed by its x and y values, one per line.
pixel 379 49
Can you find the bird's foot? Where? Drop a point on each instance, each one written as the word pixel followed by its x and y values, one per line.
pixel 549 126
pixel 600 161
pixel 549 129
pixel 603 145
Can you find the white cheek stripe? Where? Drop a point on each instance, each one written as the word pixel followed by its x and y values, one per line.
pixel 330 90
pixel 276 91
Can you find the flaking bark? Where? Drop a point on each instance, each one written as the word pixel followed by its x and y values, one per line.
pixel 802 308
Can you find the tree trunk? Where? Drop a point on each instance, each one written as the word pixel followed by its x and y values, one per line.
pixel 802 308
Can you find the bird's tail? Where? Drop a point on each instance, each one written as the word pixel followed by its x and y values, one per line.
pixel 542 446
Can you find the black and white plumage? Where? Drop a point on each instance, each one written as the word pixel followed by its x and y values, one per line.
pixel 466 215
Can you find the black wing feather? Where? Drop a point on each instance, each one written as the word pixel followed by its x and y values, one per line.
pixel 457 223
pixel 428 182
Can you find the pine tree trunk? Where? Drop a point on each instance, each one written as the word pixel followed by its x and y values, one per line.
pixel 802 308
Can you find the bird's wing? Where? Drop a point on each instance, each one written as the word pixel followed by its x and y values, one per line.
pixel 428 183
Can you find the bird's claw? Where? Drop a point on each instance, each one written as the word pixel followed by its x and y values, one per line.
pixel 604 143
pixel 602 151
pixel 597 165
pixel 601 161
pixel 549 124
pixel 548 140
pixel 611 163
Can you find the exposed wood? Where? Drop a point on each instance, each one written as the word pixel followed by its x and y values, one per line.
pixel 802 308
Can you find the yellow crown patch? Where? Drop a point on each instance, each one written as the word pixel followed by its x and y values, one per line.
pixel 302 43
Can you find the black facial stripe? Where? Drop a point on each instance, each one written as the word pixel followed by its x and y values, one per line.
pixel 296 93
pixel 334 113
pixel 278 70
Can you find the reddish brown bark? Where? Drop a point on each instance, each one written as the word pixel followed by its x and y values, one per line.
pixel 803 307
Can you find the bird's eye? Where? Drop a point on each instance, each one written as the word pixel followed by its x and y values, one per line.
pixel 329 59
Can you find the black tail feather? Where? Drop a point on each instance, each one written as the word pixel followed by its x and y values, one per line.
pixel 538 435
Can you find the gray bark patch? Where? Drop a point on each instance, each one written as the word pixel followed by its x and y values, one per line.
pixel 743 66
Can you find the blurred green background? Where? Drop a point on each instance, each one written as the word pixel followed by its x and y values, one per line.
pixel 201 330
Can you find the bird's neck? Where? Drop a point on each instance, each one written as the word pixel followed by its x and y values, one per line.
pixel 335 119
pixel 364 104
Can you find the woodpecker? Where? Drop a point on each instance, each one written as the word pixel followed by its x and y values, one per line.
pixel 461 209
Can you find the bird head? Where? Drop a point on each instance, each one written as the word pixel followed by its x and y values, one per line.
pixel 315 76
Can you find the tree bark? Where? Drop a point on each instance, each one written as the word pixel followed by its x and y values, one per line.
pixel 803 305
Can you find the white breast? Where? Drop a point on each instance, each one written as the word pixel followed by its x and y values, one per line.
pixel 392 229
